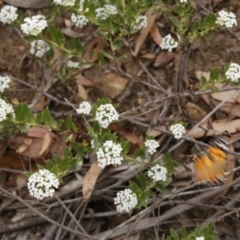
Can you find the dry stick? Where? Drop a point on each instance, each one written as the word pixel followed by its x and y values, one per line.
pixel 43 216
pixel 184 94
pixel 39 90
pixel 150 222
pixel 71 215
pixel 218 213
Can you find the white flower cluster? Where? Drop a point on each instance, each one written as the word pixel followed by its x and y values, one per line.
pixel 125 200
pixel 141 22
pixel 84 108
pixel 106 114
pixel 34 25
pixel 177 130
pixel 152 145
pixel 158 173
pixel 200 238
pixel 183 1
pixel 42 184
pixel 72 64
pixel 104 12
pixel 8 14
pixel 233 72
pixel 227 19
pixel 64 2
pixel 168 43
pixel 81 6
pixel 4 83
pixel 109 154
pixel 6 109
pixel 79 20
pixel 39 48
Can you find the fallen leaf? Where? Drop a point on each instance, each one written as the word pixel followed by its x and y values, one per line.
pixel 82 80
pixel 90 180
pixel 163 58
pixel 112 85
pixel 145 31
pixel 45 144
pixel 155 34
pixel 218 127
pixel 148 56
pixel 97 44
pixel 35 4
pixel 82 93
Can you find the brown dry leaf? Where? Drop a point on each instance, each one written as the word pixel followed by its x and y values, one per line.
pixel 144 32
pixel 112 85
pixel 12 160
pixel 36 4
pixel 155 34
pixel 21 180
pixel 36 143
pixel 97 44
pixel 82 92
pixel 82 80
pixel 47 139
pixel 218 127
pixel 90 180
pixel 221 96
pixel 163 58
pixel 126 135
pixel 57 59
pixel 148 56
pixel 195 112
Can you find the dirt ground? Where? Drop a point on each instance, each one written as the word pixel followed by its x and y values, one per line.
pixel 131 84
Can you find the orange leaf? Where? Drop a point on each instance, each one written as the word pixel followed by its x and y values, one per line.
pixel 155 34
pixel 46 144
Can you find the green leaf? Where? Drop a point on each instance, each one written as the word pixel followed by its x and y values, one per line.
pixel 107 55
pixel 116 44
pixel 174 235
pixel 23 113
pixel 79 47
pixel 47 119
pixel 176 22
pixel 69 124
pixel 28 174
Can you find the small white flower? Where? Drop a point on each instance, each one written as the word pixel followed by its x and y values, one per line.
pixel 5 110
pixel 72 64
pixel 34 25
pixel 227 19
pixel 200 238
pixel 168 43
pixel 104 12
pixel 64 2
pixel 183 1
pixel 39 48
pixel 106 114
pixel 152 145
pixel 4 83
pixel 141 22
pixel 158 173
pixel 8 14
pixel 79 20
pixel 233 72
pixel 84 108
pixel 110 153
pixel 125 200
pixel 177 130
pixel 42 184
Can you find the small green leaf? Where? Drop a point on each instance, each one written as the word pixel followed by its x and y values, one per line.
pixel 176 22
